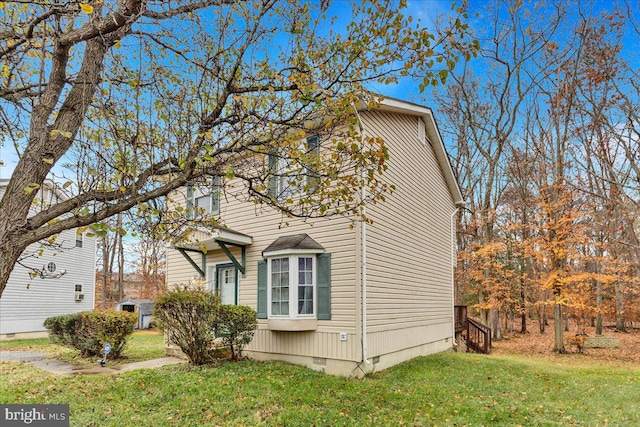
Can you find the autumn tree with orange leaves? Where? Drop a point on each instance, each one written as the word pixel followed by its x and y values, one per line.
pixel 550 232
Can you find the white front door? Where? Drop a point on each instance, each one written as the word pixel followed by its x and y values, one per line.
pixel 226 285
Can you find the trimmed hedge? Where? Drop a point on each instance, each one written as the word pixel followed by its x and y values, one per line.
pixel 236 324
pixel 90 330
pixel 188 319
pixel 62 329
pixel 95 328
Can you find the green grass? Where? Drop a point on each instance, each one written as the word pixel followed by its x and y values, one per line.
pixel 445 389
pixel 142 345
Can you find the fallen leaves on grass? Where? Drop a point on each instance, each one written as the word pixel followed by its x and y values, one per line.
pixel 537 344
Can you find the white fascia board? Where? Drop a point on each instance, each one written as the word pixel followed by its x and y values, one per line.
pixel 227 236
pixel 212 238
pixel 292 252
pixel 403 107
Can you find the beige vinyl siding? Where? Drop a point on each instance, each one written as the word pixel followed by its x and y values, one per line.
pixel 179 271
pixel 409 281
pixel 264 225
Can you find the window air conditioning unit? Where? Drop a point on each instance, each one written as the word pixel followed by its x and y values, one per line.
pixel 79 296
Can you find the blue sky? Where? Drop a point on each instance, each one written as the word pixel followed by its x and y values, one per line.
pixel 425 11
pixel 421 10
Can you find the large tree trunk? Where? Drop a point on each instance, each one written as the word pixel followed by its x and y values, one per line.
pixel 599 307
pixel 494 316
pixel 558 334
pixel 523 310
pixel 45 149
pixel 120 250
pixel 620 326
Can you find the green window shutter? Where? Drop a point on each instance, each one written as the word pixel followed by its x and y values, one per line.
pixel 313 144
pixel 272 179
pixel 324 287
pixel 313 150
pixel 190 202
pixel 262 290
pixel 215 195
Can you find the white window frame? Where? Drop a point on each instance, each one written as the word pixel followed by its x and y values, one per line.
pixel 286 185
pixel 207 193
pixel 293 283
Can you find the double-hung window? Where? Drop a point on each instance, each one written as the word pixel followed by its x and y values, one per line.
pixel 285 180
pixel 294 284
pixel 204 199
pixel 292 287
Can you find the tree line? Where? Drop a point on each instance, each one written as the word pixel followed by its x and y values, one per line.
pixel 544 129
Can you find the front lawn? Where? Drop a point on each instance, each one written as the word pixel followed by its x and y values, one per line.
pixel 142 345
pixel 444 389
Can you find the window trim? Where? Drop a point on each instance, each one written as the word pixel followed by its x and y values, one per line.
pixel 293 256
pixel 323 296
pixel 194 192
pixel 279 186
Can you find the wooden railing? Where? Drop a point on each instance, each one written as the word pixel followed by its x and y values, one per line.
pixel 478 337
pixel 460 317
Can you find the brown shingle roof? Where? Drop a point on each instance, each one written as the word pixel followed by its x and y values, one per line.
pixel 297 241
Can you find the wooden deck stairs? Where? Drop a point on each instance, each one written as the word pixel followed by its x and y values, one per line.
pixel 475 336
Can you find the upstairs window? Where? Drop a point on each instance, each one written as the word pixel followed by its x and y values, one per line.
pixel 285 181
pixel 204 199
pixel 78 240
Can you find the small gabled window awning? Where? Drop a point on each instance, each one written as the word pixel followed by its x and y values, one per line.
pixel 216 238
pixel 297 243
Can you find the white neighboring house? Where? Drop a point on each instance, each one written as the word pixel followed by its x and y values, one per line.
pixel 65 282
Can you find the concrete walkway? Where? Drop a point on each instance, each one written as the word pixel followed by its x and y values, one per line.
pixel 21 356
pixel 60 367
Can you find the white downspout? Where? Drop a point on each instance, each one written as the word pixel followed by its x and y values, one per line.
pixel 364 281
pixel 453 274
pixel 363 264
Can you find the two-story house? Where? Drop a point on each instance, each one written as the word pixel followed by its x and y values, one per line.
pixel 51 280
pixel 344 300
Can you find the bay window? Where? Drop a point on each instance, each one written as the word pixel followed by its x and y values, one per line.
pixel 294 283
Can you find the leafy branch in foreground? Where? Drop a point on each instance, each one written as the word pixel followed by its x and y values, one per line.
pixel 130 100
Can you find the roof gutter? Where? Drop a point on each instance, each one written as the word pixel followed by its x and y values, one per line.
pixel 366 366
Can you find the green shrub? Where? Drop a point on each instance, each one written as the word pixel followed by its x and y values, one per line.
pixel 236 325
pixel 62 329
pixel 90 330
pixel 95 328
pixel 188 319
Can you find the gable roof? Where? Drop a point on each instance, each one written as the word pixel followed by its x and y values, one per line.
pixel 403 107
pixel 296 242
